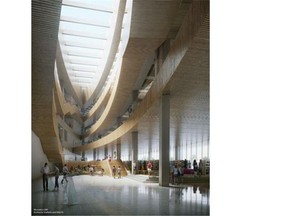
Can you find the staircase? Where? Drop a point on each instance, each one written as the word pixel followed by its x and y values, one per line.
pixel 117 163
pixel 106 167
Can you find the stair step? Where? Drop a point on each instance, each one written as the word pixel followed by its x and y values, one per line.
pixel 139 178
pixel 144 178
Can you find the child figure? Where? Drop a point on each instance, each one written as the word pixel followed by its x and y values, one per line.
pixel 119 172
pixel 114 171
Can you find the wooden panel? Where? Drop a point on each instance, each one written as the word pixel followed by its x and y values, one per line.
pixel 151 18
pixel 45 22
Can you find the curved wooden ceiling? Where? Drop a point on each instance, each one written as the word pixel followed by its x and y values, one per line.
pixel 152 23
pixel 188 60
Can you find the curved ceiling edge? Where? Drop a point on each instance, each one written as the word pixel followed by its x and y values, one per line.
pixel 180 46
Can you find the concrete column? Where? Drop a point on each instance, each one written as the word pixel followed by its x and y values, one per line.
pixel 118 150
pixel 94 154
pixel 164 136
pixel 106 151
pixel 114 150
pixel 177 151
pixel 134 151
pixel 97 153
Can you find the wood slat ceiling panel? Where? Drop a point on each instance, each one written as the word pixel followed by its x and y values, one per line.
pixel 45 22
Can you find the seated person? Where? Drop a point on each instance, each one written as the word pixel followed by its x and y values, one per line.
pixel 91 171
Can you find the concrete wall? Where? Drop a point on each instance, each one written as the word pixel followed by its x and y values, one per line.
pixel 38 157
pixel 69 156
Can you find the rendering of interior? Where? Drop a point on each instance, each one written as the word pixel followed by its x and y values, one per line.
pixel 120 107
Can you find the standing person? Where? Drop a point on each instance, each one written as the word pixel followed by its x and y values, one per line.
pixel 134 167
pixel 144 165
pixel 172 173
pixel 56 172
pixel 91 170
pixel 149 167
pixel 114 171
pixel 176 174
pixel 200 167
pixel 119 171
pixel 45 171
pixel 185 163
pixel 195 166
pixel 65 171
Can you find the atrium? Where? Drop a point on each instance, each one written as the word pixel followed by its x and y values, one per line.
pixel 121 83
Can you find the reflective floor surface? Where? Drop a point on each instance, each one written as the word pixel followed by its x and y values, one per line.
pixel 103 195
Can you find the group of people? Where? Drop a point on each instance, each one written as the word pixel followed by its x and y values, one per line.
pixel 46 172
pixel 118 170
pixel 197 168
pixel 97 170
pixel 149 167
pixel 176 173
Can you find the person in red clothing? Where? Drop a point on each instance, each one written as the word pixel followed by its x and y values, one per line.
pixel 149 168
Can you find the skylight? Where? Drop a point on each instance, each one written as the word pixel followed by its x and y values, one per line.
pixel 84 33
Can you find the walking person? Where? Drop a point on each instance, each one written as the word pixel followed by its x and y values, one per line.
pixel 134 167
pixel 91 170
pixel 45 171
pixel 56 172
pixel 195 167
pixel 171 178
pixel 65 172
pixel 176 174
pixel 149 168
pixel 200 167
pixel 185 163
pixel 181 174
pixel 119 172
pixel 114 171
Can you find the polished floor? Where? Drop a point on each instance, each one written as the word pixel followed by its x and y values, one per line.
pixel 103 195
